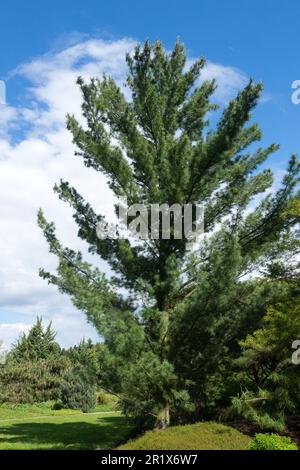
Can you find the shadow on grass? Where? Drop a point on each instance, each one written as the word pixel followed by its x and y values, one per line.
pixel 104 433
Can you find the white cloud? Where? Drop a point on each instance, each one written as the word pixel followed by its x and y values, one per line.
pixel 9 332
pixel 30 166
pixel 229 80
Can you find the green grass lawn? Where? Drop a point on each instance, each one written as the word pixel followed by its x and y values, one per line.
pixel 40 427
pixel 8 411
pixel 200 436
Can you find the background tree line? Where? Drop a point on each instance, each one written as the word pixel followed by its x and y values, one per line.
pixel 37 369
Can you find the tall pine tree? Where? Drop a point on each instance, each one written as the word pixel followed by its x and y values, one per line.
pixel 171 339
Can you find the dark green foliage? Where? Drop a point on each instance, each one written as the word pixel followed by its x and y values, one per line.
pixel 272 442
pixel 77 392
pixel 171 345
pixel 88 356
pixel 38 344
pixel 31 382
pixel 271 382
pixel 34 368
pixel 269 379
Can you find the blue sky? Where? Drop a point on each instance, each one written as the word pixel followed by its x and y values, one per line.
pixel 258 39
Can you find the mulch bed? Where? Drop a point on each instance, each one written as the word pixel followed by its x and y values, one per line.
pixel 293 428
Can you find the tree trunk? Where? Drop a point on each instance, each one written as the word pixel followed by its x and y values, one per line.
pixel 163 418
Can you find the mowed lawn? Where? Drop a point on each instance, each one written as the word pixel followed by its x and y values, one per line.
pixel 40 427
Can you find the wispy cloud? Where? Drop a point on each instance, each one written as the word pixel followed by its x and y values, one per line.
pixel 229 79
pixel 10 332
